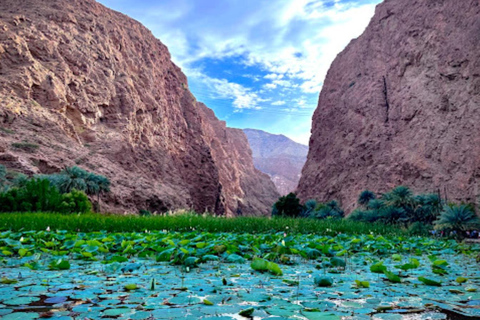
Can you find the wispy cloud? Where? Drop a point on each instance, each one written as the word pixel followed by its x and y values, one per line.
pixel 285 47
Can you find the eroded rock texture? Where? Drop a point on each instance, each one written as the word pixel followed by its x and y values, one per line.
pixel 84 85
pixel 401 105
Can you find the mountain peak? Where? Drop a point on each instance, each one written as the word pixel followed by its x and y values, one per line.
pixel 278 156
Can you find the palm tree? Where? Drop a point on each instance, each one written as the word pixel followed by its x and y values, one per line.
pixel 365 197
pixel 309 208
pixel 457 218
pixel 428 207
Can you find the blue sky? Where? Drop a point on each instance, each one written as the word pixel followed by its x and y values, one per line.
pixel 257 63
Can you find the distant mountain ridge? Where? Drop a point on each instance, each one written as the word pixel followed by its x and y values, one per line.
pixel 279 157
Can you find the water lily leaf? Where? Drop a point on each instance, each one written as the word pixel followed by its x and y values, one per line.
pixel 131 286
pixel 322 281
pixel 131 267
pixel 312 253
pixel 247 312
pixel 21 316
pixel 6 280
pixel 116 312
pixel 440 263
pixel 274 269
pixel 209 257
pixel 201 245
pixel 207 302
pixel 291 283
pixel 439 270
pixel 378 267
pixel 60 264
pixel 166 255
pixel 392 276
pixel 55 300
pixel 191 261
pixel 338 262
pixel 456 291
pixel 21 301
pixel 429 282
pixel 235 258
pixel 362 284
pixel 461 280
pixel 259 264
pixel 397 257
pixel 119 259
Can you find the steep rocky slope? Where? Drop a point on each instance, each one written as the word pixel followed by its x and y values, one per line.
pixel 401 105
pixel 279 157
pixel 83 85
pixel 245 188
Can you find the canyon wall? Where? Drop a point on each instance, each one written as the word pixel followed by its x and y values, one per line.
pixel 83 85
pixel 401 106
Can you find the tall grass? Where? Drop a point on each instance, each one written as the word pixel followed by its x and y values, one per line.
pixel 189 222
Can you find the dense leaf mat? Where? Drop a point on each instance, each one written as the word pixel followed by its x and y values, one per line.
pixel 158 275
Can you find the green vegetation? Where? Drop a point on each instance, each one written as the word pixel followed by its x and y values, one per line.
pixel 75 178
pixel 421 213
pixel 188 222
pixel 176 275
pixel 289 206
pixel 400 207
pixel 62 193
pixel 457 218
pixel 26 146
pixel 40 196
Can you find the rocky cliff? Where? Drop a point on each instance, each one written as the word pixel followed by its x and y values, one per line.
pixel 279 157
pixel 83 85
pixel 245 189
pixel 401 105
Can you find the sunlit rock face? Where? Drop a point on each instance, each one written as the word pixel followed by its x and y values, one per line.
pixel 279 157
pixel 401 105
pixel 88 86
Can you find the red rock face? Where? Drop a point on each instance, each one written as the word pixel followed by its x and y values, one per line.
pixel 83 85
pixel 245 190
pixel 401 106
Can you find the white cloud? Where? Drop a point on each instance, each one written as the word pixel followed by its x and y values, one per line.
pixel 279 103
pixel 274 76
pixel 270 86
pixel 242 98
pixel 294 38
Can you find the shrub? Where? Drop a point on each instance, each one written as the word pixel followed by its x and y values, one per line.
pixel 312 209
pixel 365 197
pixel 79 179
pixel 420 228
pixel 26 146
pixel 288 205
pixel 309 208
pixel 457 218
pixel 399 206
pixel 326 210
pixel 144 213
pixel 39 195
pixel 75 202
